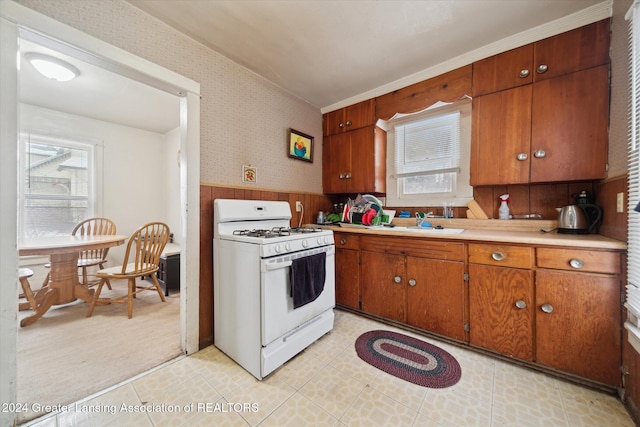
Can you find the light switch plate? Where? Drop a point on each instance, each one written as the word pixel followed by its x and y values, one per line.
pixel 620 202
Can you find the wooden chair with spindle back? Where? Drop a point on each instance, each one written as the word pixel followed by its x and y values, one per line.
pixel 94 257
pixel 141 259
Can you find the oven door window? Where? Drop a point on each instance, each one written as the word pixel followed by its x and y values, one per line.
pixel 278 315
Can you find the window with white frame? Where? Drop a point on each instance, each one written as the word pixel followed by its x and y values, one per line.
pixel 633 244
pixel 428 156
pixel 57 185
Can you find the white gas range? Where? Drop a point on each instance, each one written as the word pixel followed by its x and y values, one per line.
pixel 274 286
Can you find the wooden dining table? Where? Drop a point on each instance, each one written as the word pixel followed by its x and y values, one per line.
pixel 63 286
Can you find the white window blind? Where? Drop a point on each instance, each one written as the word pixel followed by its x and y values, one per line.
pixel 633 270
pixel 428 155
pixel 428 147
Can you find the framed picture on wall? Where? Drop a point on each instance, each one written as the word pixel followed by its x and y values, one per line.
pixel 300 146
pixel 249 174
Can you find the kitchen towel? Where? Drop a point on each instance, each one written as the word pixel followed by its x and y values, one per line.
pixel 307 276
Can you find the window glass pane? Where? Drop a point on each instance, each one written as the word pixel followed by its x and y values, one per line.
pixel 429 184
pixel 57 186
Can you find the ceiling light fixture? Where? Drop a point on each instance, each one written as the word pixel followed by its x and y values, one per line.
pixel 52 68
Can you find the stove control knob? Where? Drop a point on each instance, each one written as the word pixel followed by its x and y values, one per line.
pixel 288 247
pixel 278 249
pixel 305 244
pixel 319 241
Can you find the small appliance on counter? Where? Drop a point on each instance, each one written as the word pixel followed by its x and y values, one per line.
pixel 580 218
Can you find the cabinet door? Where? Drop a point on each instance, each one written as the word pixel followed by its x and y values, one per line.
pixel 570 126
pixel 333 122
pixel 579 330
pixel 501 310
pixel 336 162
pixel 350 118
pixel 383 285
pixel 368 161
pixel 435 301
pixel 504 71
pixel 360 115
pixel 501 136
pixel 574 50
pixel 347 277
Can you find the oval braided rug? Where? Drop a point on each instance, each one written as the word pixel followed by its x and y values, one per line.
pixel 409 358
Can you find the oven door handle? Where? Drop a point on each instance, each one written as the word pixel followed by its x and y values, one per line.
pixel 279 265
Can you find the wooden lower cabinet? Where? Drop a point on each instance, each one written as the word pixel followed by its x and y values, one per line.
pixel 348 277
pixel 347 262
pixel 578 318
pixel 435 296
pixel 383 285
pixel 501 310
pixel 422 292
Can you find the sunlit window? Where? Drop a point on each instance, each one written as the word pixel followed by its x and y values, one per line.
pixel 57 185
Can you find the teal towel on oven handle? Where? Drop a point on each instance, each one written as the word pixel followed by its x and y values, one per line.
pixel 307 276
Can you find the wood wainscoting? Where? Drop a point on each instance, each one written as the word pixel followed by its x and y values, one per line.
pixel 312 203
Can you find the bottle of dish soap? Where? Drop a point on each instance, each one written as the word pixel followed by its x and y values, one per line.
pixel 503 212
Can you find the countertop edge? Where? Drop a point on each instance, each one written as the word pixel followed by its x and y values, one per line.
pixel 592 241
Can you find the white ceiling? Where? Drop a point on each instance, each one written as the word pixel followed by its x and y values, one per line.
pixel 97 94
pixel 332 50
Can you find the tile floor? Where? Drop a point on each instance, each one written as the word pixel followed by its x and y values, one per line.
pixel 328 385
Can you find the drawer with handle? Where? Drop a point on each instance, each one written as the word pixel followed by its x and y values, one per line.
pixel 579 260
pixel 346 240
pixel 502 255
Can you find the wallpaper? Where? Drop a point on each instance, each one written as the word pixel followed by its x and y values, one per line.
pixel 244 118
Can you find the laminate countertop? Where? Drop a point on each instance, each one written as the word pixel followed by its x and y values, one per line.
pixel 528 232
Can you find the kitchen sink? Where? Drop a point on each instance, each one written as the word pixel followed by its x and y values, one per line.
pixel 427 230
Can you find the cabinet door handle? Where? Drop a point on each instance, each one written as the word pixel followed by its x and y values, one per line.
pixel 397 279
pixel 348 122
pixel 347 176
pixel 343 241
pixel 412 282
pixel 498 256
pixel 547 308
pixel 539 154
pixel 542 68
pixel 523 74
pixel 576 263
pixel 341 125
pixel 522 156
pixel 521 304
pixel 341 176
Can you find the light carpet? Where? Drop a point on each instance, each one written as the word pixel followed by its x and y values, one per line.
pixel 66 356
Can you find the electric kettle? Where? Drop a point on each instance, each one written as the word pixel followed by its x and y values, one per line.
pixel 582 218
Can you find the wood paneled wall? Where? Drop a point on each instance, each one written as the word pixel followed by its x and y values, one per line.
pixel 614 224
pixel 312 203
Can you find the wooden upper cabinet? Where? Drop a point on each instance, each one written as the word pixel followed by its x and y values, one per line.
pixel 350 118
pixel 572 51
pixel 504 71
pixel 501 137
pixel 565 53
pixel 554 129
pixel 569 127
pixel 354 162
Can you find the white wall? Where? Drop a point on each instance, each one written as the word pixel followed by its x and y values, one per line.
pixel 140 172
pixel 171 183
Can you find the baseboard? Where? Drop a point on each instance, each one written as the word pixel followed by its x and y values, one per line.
pixel 205 342
pixel 633 411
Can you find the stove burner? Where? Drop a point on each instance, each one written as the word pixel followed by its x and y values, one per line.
pixel 305 230
pixel 275 232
